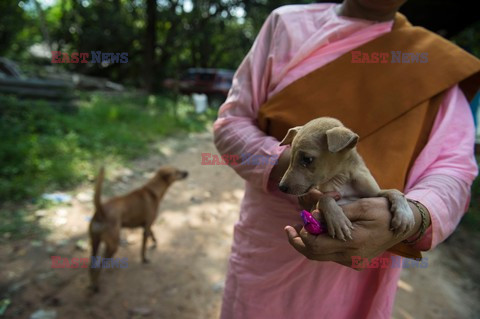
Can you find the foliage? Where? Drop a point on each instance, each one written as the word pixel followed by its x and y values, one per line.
pixel 472 218
pixel 43 149
pixel 209 34
pixel 12 17
pixel 18 224
pixel 469 39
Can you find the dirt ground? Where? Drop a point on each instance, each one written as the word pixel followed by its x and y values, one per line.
pixel 187 270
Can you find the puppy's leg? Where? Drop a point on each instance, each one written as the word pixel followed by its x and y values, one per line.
pixel 337 223
pixel 403 219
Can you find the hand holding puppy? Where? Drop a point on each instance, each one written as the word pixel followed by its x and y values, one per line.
pixel 371 235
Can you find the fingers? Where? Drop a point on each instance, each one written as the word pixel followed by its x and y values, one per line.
pixel 295 240
pixel 319 248
pixel 298 227
pixel 321 244
pixel 304 202
pixel 308 200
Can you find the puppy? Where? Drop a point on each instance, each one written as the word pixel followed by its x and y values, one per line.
pixel 138 208
pixel 324 156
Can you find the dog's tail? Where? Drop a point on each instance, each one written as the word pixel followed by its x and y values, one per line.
pixel 97 199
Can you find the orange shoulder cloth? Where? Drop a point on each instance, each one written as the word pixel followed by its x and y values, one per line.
pixel 391 106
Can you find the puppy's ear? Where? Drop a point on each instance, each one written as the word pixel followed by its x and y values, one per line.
pixel 340 138
pixel 287 140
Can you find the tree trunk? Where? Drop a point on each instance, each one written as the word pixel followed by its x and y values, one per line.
pixel 150 41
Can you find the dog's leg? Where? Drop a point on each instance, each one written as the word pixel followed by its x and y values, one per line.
pixel 146 233
pixel 95 267
pixel 94 272
pixel 111 250
pixel 337 223
pixel 153 238
pixel 403 219
pixel 95 241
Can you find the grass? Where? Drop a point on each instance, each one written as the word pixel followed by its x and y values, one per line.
pixel 43 149
pixel 19 224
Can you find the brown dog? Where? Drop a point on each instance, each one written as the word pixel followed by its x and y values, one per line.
pixel 324 156
pixel 138 208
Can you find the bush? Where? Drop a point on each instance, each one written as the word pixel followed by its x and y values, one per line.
pixel 43 149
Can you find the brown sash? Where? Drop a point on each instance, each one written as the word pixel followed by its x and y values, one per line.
pixel 392 106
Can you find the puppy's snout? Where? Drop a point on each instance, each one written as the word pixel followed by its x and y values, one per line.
pixel 184 174
pixel 283 187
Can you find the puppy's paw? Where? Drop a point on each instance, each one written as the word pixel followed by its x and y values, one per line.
pixel 338 225
pixel 403 220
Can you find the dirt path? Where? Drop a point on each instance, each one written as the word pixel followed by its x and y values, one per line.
pixel 185 277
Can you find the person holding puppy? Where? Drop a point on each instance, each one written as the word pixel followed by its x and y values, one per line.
pixel 359 62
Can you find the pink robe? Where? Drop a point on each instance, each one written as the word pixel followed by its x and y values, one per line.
pixel 267 278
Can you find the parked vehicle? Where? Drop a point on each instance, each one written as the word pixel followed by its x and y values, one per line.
pixel 215 83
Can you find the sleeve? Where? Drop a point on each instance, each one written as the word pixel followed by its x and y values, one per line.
pixel 236 131
pixel 444 171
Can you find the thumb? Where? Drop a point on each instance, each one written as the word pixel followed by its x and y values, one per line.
pixel 294 239
pixel 292 232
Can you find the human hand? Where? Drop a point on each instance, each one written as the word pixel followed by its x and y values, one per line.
pixel 309 200
pixel 371 234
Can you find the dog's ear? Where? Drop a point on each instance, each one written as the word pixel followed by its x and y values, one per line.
pixel 340 138
pixel 287 140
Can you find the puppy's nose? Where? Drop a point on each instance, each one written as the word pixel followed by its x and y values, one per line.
pixel 184 174
pixel 283 187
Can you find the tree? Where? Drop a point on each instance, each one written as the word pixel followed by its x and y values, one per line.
pixel 150 44
pixel 12 20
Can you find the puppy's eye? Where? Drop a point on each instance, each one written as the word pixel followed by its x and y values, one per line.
pixel 306 160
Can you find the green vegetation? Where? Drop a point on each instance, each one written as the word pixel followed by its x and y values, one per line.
pixel 19 224
pixel 472 218
pixel 44 149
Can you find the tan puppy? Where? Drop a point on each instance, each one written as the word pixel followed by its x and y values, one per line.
pixel 324 156
pixel 138 208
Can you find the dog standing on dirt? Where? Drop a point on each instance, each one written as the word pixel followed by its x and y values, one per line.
pixel 324 156
pixel 139 208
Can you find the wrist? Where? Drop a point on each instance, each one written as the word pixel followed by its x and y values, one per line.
pixel 422 222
